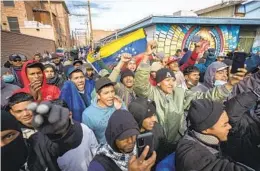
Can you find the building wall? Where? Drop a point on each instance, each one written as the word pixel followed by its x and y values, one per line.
pixel 29 5
pixel 18 11
pixel 221 37
pixel 99 34
pixel 62 19
pixel 19 43
pixel 223 12
pixel 45 33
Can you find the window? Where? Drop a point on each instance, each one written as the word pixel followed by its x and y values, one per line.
pixel 13 24
pixel 8 3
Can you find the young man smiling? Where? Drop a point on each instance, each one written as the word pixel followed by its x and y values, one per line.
pixel 96 116
pixel 171 101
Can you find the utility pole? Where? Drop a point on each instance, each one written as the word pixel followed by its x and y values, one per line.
pixel 90 24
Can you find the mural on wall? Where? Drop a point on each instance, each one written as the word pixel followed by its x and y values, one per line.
pixel 173 37
pixel 256 45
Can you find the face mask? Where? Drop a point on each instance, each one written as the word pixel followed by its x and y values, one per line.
pixel 14 154
pixel 219 83
pixel 8 78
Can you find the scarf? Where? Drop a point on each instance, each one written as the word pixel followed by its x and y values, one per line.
pixel 120 159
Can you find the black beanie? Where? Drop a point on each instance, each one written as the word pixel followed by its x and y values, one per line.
pixel 142 108
pixel 204 114
pixel 162 74
pixel 125 73
pixel 121 125
pixel 8 122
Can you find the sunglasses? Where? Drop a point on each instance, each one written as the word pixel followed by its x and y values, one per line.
pixel 17 60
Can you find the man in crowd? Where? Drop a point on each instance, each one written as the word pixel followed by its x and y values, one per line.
pixel 35 82
pixel 178 54
pixel 193 57
pixel 119 151
pixel 7 76
pixel 215 75
pixel 192 76
pixel 16 68
pixel 124 88
pixel 144 111
pixel 154 68
pixel 243 111
pixel 56 59
pixel 77 92
pixel 96 116
pixel 173 65
pixel 52 76
pixel 37 57
pixel 77 63
pixel 7 88
pixel 18 108
pixel 171 101
pixel 221 57
pixel 185 57
pixel 90 73
pixel 198 150
pixel 131 65
pixel 81 139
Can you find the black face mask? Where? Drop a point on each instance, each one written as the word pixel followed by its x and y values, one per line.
pixel 14 155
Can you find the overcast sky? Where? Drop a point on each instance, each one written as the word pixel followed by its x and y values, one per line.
pixel 116 14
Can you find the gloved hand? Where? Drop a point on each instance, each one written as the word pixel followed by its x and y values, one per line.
pixel 49 118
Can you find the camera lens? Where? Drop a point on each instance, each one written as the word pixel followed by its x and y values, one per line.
pixel 141 142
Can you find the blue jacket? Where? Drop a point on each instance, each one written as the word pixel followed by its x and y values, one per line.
pixel 203 66
pixel 96 118
pixel 69 93
pixel 185 58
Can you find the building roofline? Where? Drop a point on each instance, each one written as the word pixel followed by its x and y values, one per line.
pixel 219 6
pixel 152 20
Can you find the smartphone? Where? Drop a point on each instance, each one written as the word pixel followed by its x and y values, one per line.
pixel 143 140
pixel 238 61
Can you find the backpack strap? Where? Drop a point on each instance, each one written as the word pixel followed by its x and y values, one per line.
pixel 106 162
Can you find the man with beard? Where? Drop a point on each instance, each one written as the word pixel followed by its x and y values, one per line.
pixel 124 88
pixel 192 76
pixel 16 68
pixel 118 154
pixel 96 116
pixel 52 76
pixel 77 92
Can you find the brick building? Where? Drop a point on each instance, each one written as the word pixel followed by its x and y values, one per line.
pixel 33 18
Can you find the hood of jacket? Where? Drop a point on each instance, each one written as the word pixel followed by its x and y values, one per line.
pixel 25 79
pixel 121 122
pixel 209 77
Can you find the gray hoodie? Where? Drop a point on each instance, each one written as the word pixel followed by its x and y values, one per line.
pixel 209 77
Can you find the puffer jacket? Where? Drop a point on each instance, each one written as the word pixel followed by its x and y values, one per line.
pixel 170 108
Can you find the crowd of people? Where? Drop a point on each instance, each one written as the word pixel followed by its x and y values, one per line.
pixel 58 113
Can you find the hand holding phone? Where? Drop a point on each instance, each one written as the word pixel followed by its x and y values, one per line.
pixel 144 140
pixel 140 164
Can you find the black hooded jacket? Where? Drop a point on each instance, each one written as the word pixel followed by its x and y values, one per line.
pixel 244 138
